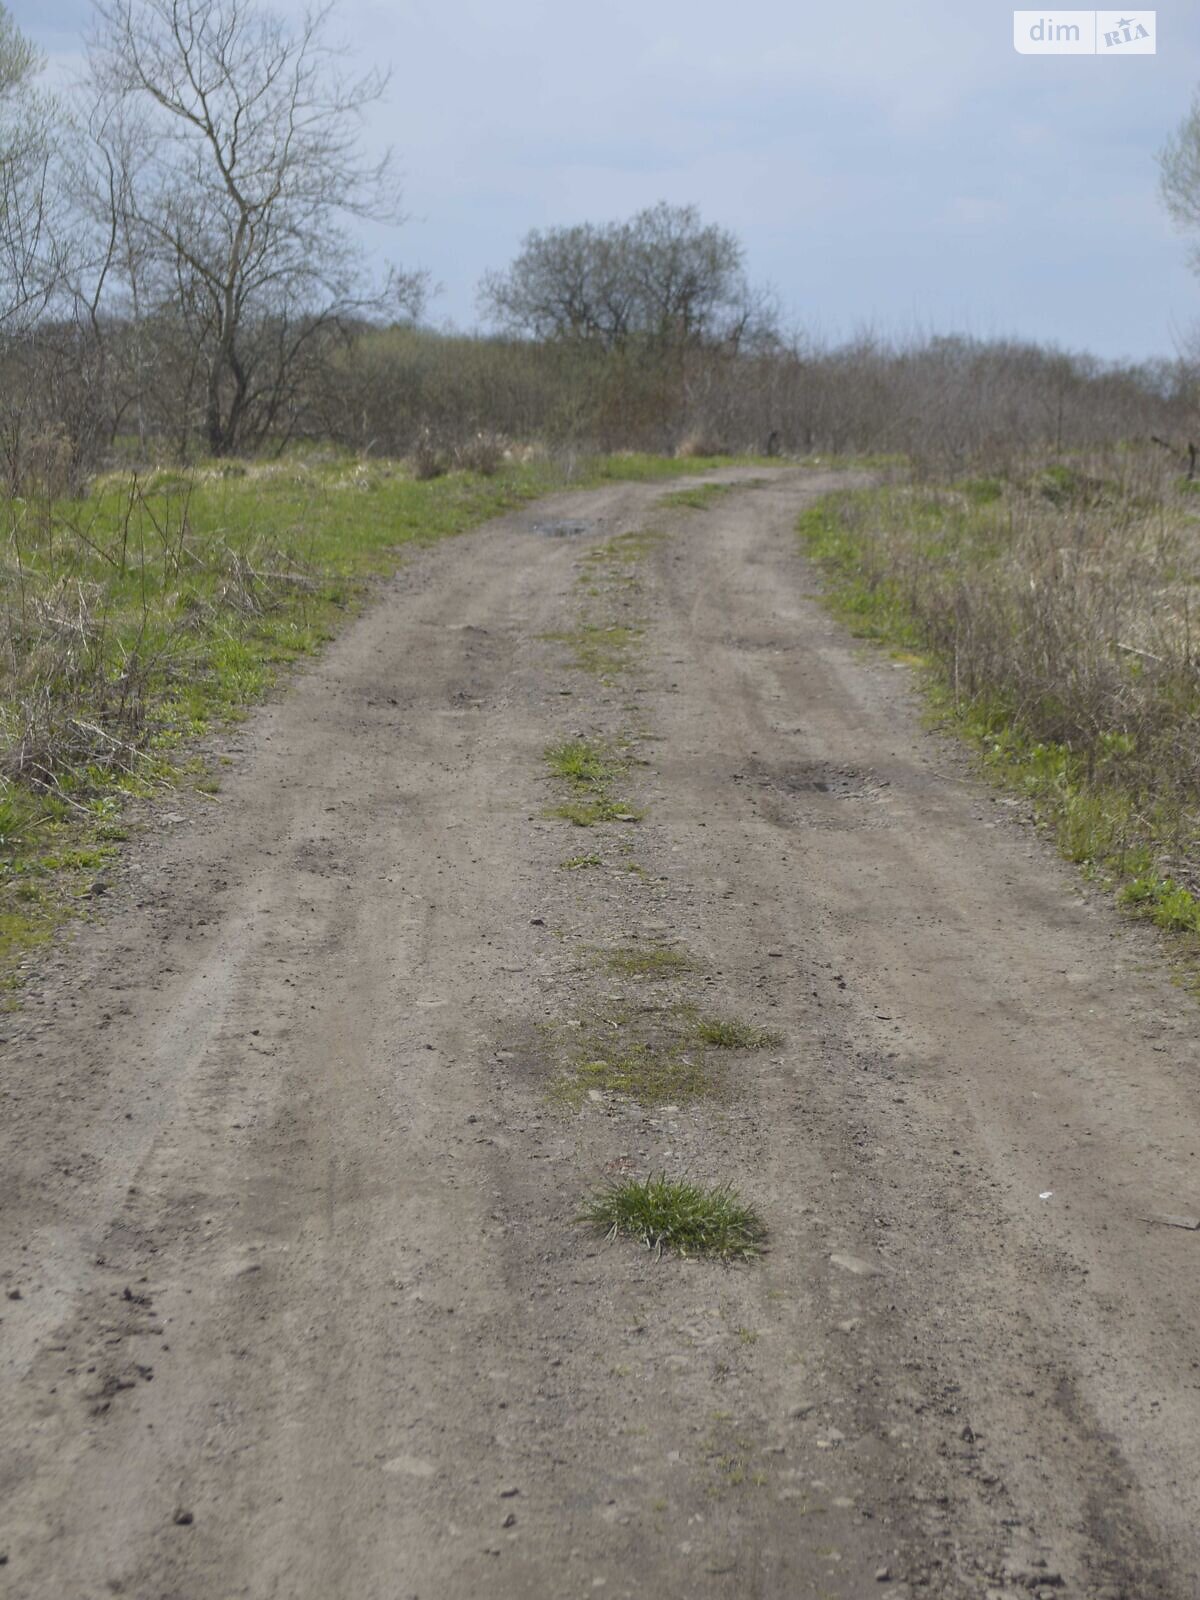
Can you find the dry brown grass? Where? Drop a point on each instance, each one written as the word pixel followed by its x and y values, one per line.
pixel 483 452
pixel 697 445
pixel 429 458
pixel 1060 606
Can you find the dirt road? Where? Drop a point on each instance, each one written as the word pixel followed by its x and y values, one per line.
pixel 297 1307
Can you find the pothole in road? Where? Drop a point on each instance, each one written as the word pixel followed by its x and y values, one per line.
pixel 841 783
pixel 818 778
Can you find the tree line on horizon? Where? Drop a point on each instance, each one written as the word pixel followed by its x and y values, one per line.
pixel 179 275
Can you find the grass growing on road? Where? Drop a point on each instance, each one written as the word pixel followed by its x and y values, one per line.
pixel 582 763
pixel 672 1214
pixel 602 650
pixel 652 1074
pixel 731 1033
pixel 1054 606
pixel 648 961
pixel 639 1052
pixel 600 644
pixel 624 549
pixel 589 813
pixel 654 1054
pixel 589 769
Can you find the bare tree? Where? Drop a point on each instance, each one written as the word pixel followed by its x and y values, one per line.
pixel 31 248
pixel 664 277
pixel 250 169
pixel 1179 170
pixel 1179 173
pixel 688 276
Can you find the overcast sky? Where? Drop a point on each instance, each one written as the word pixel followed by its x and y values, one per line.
pixel 890 165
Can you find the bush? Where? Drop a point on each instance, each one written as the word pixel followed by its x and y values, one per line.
pixel 482 453
pixel 429 458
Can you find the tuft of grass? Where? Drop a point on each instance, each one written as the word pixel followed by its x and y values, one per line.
pixel 589 768
pixel 731 1033
pixel 1166 903
pixel 673 1214
pixel 579 863
pixel 581 762
pixel 648 961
